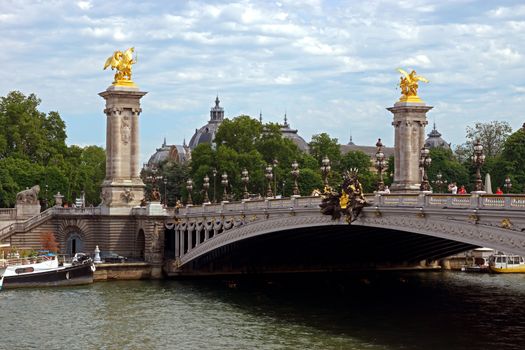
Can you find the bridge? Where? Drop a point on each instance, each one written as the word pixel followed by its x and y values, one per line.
pixel 405 229
pixel 292 234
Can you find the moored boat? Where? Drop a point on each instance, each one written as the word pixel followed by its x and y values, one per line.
pixel 507 263
pixel 47 272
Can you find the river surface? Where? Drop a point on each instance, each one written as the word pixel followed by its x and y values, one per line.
pixel 430 310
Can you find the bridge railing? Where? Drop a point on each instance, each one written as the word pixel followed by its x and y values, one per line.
pixel 415 200
pixel 77 211
pixel 250 205
pixel 7 213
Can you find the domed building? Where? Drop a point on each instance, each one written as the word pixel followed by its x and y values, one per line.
pixel 206 134
pixel 177 153
pixel 292 134
pixel 434 140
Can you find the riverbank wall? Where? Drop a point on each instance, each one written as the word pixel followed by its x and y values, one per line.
pixel 126 271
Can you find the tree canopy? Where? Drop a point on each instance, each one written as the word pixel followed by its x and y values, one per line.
pixel 33 151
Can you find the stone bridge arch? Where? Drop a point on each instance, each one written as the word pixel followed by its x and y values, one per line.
pixel 444 234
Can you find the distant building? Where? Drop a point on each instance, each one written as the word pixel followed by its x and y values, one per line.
pixel 368 150
pixel 206 134
pixel 292 134
pixel 175 153
pixel 434 140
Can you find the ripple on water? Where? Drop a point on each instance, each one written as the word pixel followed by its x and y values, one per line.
pixel 407 311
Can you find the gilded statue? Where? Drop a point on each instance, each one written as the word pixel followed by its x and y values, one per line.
pixel 122 61
pixel 347 202
pixel 409 84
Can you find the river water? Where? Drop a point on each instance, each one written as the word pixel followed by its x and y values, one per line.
pixel 423 310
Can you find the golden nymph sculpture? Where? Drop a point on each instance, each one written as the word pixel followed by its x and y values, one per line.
pixel 409 85
pixel 122 61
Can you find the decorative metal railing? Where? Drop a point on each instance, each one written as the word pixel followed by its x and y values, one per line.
pixel 515 202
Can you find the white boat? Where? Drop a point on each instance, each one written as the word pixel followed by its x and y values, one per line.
pixel 47 272
pixel 507 263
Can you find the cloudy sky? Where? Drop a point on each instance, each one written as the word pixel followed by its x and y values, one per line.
pixel 330 65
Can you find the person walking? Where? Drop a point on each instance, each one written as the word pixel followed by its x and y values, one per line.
pixel 462 190
pixel 499 191
pixel 453 188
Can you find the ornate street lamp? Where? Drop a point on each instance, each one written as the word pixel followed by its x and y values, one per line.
pixel 424 163
pixel 269 177
pixel 214 182
pixel 274 165
pixel 439 182
pixel 245 180
pixel 507 184
pixel 325 169
pixel 45 197
pixel 153 179
pixel 205 187
pixel 295 175
pixel 478 159
pixel 380 164
pixel 224 183
pixel 165 192
pixel 189 187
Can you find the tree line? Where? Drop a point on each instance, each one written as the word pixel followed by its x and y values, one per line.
pixel 245 143
pixel 33 151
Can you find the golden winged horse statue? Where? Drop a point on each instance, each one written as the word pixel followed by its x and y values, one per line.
pixel 122 61
pixel 409 84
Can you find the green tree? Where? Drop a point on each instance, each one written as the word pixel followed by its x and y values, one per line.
pixel 444 162
pixel 514 154
pixel 322 145
pixel 240 134
pixel 491 135
pixel 28 133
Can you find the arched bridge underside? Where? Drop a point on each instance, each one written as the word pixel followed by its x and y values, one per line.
pixel 302 239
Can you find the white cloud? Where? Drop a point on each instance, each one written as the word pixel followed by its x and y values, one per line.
pixel 291 54
pixel 420 60
pixel 84 5
pixel 507 12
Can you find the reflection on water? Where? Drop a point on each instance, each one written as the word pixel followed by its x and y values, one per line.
pixel 374 311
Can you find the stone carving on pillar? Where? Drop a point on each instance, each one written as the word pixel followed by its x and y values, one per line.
pixel 125 130
pixel 127 195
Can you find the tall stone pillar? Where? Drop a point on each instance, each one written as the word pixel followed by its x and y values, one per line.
pixel 409 126
pixel 122 188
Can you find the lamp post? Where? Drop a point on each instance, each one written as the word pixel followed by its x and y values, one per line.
pixel 245 180
pixel 380 164
pixel 269 177
pixel 153 179
pixel 478 159
pixel 45 197
pixel 189 187
pixel 224 183
pixel 206 186
pixel 295 175
pixel 165 192
pixel 214 182
pixel 424 163
pixel 507 184
pixel 325 169
pixel 274 165
pixel 439 182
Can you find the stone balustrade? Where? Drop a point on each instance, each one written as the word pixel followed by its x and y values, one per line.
pixel 423 200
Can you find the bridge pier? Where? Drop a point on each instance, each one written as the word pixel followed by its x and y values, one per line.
pixel 409 137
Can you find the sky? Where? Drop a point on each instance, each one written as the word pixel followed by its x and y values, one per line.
pixel 329 65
